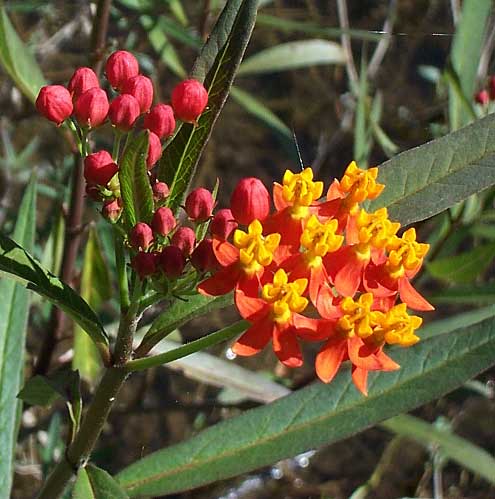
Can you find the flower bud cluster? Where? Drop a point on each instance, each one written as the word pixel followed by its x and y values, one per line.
pixel 486 94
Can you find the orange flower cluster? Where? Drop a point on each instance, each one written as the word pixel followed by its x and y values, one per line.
pixel 329 258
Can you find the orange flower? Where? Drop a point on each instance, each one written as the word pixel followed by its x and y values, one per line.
pixel 276 316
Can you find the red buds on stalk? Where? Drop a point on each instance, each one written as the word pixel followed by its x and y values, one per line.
pixel 145 264
pixel 111 210
pixel 91 107
pixel 203 258
pixel 160 191
pixel 154 150
pixel 160 120
pixel 199 204
pixel 124 111
pixel 99 168
pixel 163 221
pixel 121 66
pixel 83 79
pixel 482 97
pixel 54 103
pixel 185 239
pixel 172 261
pixel 223 224
pixel 141 88
pixel 189 99
pixel 141 236
pixel 250 201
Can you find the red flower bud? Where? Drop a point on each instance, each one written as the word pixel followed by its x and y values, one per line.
pixel 145 264
pixel 223 224
pixel 203 258
pixel 491 87
pixel 99 168
pixel 189 99
pixel 54 103
pixel 482 97
pixel 172 261
pixel 112 209
pixel 163 221
pixel 91 107
pixel 121 66
pixel 83 79
pixel 185 239
pixel 199 204
pixel 160 191
pixel 141 88
pixel 154 150
pixel 160 120
pixel 124 111
pixel 250 200
pixel 141 236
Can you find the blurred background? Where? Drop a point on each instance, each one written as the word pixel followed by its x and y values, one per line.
pixel 322 83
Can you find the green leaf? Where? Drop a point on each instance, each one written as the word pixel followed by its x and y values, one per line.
pixel 135 188
pixel 467 46
pixel 260 111
pixel 180 312
pixel 428 179
pixel 39 391
pixel 293 55
pixel 17 60
pixel 467 295
pixel 463 268
pixel 219 60
pixel 14 311
pixel 17 263
pixel 451 446
pixel 95 483
pixel 315 415
pixel 96 288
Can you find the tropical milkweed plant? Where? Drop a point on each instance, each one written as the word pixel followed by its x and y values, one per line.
pixel 330 262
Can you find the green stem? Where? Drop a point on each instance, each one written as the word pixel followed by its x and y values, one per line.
pixel 121 271
pixel 116 145
pixel 220 336
pixel 92 425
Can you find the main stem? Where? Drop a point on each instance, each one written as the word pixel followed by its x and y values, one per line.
pixel 80 449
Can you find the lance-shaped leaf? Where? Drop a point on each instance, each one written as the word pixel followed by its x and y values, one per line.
pixel 225 48
pixel 96 287
pixel 95 483
pixel 316 415
pixel 428 179
pixel 179 313
pixel 17 263
pixel 17 61
pixel 14 310
pixel 135 188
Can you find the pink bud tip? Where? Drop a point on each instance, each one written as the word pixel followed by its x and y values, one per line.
pixel 154 150
pixel 91 107
pixel 141 88
pixel 54 103
pixel 145 264
pixel 160 120
pixel 185 239
pixel 199 204
pixel 203 258
pixel 124 111
pixel 223 224
pixel 250 200
pixel 141 236
pixel 172 261
pixel 121 66
pixel 189 100
pixel 163 221
pixel 99 168
pixel 83 79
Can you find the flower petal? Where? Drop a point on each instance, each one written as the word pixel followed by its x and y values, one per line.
pixel 411 297
pixel 221 282
pixel 362 356
pixel 360 378
pixel 250 308
pixel 286 346
pixel 226 253
pixel 329 359
pixel 254 339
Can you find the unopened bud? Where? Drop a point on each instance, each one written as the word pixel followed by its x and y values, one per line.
pixel 163 221
pixel 124 111
pixel 250 201
pixel 111 210
pixel 160 191
pixel 185 239
pixel 172 261
pixel 223 224
pixel 189 99
pixel 54 103
pixel 203 258
pixel 482 97
pixel 99 168
pixel 199 204
pixel 121 66
pixel 160 120
pixel 91 107
pixel 83 79
pixel 141 236
pixel 145 264
pixel 93 192
pixel 154 150
pixel 141 88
